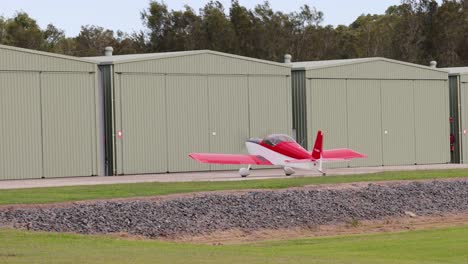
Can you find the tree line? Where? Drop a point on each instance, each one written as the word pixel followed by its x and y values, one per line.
pixel 416 31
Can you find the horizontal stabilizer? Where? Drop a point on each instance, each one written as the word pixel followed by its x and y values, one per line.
pixel 341 154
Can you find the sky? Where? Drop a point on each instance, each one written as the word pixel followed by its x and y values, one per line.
pixel 125 14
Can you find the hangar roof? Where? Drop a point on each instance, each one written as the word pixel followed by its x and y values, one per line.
pixel 368 68
pixel 46 54
pixel 311 65
pixel 457 70
pixel 117 59
pixel 19 59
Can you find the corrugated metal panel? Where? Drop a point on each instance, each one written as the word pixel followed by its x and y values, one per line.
pixel 20 126
pixel 14 59
pixel 398 122
pixel 464 121
pixel 69 124
pixel 229 115
pixel 377 70
pixel 464 78
pixel 365 121
pixel 299 110
pixel 326 111
pixel 144 135
pixel 431 122
pixel 212 64
pixel 270 102
pixel 188 121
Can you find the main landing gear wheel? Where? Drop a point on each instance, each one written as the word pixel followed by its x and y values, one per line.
pixel 288 171
pixel 244 172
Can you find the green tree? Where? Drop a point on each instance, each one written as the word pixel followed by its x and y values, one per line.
pixel 157 19
pixel 23 31
pixel 2 30
pixel 217 28
pixel 243 23
pixel 451 34
pixel 53 38
pixel 92 40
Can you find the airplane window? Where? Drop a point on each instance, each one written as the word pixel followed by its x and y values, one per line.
pixel 275 139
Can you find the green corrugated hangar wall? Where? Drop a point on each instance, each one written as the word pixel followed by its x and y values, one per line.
pixel 166 106
pixel 48 116
pixel 396 113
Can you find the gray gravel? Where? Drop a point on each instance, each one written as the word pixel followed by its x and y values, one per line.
pixel 247 211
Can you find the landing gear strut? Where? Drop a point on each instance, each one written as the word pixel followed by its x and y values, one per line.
pixel 320 169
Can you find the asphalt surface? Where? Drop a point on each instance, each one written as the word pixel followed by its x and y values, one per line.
pixel 209 176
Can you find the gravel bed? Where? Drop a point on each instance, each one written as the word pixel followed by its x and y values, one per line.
pixel 248 211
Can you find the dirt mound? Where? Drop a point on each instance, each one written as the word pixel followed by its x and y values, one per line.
pixel 247 211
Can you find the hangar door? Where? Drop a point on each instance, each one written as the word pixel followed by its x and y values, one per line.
pixel 206 114
pixel 48 125
pixel 326 111
pixel 69 124
pixel 364 121
pixel 370 116
pixel 393 122
pixel 142 133
pixel 228 115
pixel 431 121
pixel 20 126
pixel 187 121
pixel 398 122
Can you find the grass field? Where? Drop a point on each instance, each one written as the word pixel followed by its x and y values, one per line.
pixel 77 193
pixel 433 246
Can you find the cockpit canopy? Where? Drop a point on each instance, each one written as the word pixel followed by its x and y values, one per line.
pixel 275 139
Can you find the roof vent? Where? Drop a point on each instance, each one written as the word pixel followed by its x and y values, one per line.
pixel 433 64
pixel 108 51
pixel 287 58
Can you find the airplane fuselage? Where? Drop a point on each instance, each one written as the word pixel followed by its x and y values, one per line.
pixel 281 153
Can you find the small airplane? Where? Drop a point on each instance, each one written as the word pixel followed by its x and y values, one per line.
pixel 280 150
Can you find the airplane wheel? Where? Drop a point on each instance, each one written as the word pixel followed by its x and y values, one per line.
pixel 288 171
pixel 324 174
pixel 244 172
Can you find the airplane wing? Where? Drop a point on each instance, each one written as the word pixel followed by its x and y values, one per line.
pixel 341 155
pixel 229 159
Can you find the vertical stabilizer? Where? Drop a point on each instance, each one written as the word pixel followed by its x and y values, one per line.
pixel 317 150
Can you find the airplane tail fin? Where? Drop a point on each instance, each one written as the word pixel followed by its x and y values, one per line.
pixel 317 150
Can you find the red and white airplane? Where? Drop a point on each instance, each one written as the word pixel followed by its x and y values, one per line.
pixel 280 150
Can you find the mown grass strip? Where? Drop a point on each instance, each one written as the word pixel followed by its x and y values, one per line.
pixel 78 193
pixel 448 245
